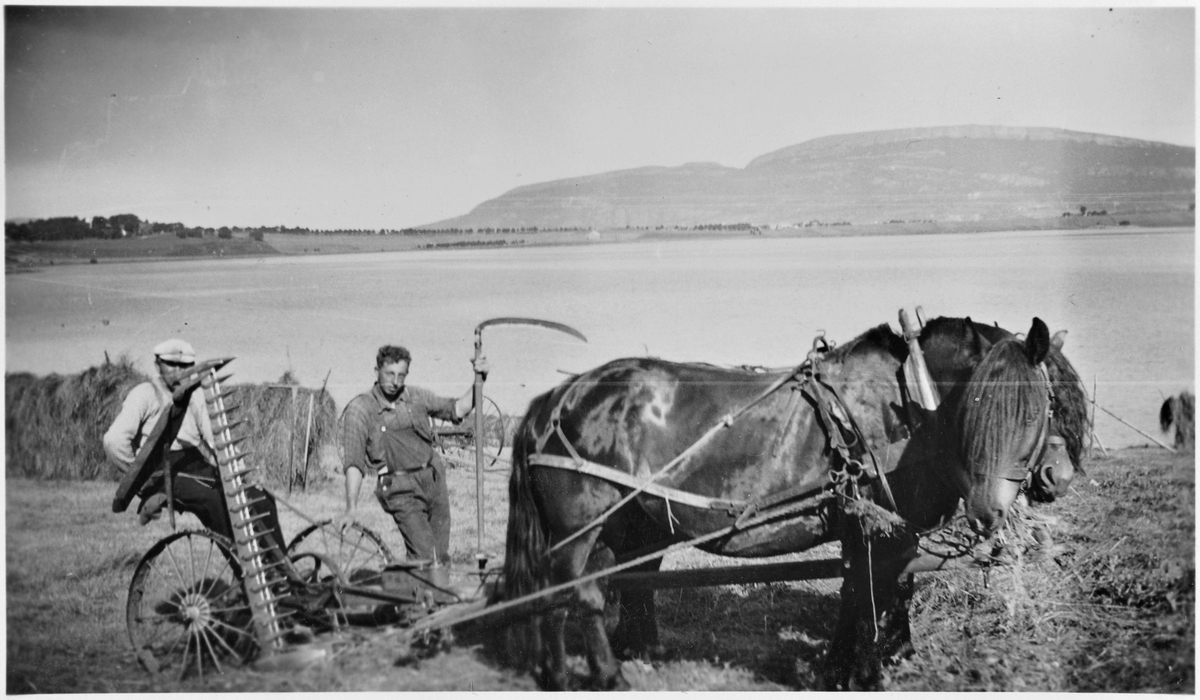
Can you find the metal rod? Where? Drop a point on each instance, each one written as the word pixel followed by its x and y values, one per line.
pixel 1162 444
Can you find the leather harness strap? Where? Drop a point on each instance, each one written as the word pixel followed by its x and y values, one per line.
pixel 617 476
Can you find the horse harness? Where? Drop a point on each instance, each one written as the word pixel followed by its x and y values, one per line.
pixel 842 432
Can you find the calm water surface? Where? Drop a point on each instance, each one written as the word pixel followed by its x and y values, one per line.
pixel 1126 298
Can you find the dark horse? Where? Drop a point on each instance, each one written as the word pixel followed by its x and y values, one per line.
pixel 776 455
pixel 1180 411
pixel 952 347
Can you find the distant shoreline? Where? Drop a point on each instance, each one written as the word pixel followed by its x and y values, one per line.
pixel 29 257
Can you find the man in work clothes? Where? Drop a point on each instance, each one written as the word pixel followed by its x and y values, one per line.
pixel 195 479
pixel 386 431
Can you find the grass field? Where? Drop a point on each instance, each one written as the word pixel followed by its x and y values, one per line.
pixel 1110 607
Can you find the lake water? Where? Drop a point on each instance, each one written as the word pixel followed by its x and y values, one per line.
pixel 1126 298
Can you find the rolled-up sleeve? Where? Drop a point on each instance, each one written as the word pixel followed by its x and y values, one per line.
pixel 356 424
pixel 436 406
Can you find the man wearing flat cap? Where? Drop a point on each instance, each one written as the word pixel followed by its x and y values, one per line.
pixel 195 479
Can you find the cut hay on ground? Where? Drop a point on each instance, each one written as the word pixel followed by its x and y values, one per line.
pixel 54 424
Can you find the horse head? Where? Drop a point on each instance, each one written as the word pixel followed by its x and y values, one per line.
pixel 1054 473
pixel 1003 423
pixel 953 347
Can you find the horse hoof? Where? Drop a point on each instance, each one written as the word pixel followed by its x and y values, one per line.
pixel 552 681
pixel 615 682
pixel 655 652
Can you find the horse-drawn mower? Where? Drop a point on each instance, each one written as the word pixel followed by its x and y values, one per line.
pixel 199 602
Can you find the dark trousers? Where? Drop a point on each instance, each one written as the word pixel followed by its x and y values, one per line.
pixel 195 490
pixel 419 502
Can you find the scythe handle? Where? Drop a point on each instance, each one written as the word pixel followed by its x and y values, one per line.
pixel 477 396
pixel 478 410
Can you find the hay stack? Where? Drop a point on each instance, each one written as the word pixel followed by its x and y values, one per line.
pixel 276 419
pixel 54 424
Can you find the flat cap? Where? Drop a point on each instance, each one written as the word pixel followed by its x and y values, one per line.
pixel 175 350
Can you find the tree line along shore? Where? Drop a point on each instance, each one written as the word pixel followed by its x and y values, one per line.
pixel 32 254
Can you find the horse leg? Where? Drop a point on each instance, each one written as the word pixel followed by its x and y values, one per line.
pixel 840 660
pixel 637 630
pixel 569 564
pixel 873 627
pixel 606 671
pixel 552 669
pixel 636 634
pixel 896 634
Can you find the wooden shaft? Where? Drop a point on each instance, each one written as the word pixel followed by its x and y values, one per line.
pixel 762 573
pixel 916 373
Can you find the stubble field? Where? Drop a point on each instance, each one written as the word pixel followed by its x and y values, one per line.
pixel 1109 607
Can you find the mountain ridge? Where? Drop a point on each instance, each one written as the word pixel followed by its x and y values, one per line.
pixel 949 173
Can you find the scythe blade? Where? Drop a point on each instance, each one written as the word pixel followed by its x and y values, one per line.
pixel 518 321
pixel 480 556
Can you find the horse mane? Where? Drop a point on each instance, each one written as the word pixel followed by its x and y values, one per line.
pixel 881 338
pixel 997 397
pixel 1070 406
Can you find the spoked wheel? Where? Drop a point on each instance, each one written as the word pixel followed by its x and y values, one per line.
pixel 458 442
pixel 493 432
pixel 358 554
pixel 186 611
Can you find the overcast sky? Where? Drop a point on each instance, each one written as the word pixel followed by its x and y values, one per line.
pixel 393 117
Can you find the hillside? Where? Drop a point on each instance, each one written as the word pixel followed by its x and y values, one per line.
pixel 947 174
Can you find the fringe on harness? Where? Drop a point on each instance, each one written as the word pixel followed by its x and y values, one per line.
pixel 875 519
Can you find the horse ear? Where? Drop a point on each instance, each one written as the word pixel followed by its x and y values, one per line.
pixel 1060 337
pixel 1037 342
pixel 972 340
pixel 1164 414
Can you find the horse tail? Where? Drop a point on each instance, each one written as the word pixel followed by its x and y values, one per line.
pixel 525 546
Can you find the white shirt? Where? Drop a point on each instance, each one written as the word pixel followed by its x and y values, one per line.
pixel 140 411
